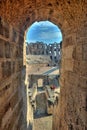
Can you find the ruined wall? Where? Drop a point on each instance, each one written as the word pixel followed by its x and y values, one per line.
pixel 71 113
pixel 37 48
pixel 11 85
pixel 41 105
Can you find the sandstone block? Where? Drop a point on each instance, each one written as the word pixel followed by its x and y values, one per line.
pixel 6 69
pixel 68 52
pixel 1 48
pixel 85 52
pixel 7 50
pixel 69 64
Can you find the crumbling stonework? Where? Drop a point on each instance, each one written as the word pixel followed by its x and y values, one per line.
pixel 71 17
pixel 41 104
pixel 52 50
pixel 11 85
pixel 71 111
pixel 37 48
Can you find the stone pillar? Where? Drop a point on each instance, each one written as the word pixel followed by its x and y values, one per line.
pixel 44 49
pixel 52 49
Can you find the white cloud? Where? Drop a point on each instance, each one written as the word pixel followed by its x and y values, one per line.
pixel 50 34
pixel 43 31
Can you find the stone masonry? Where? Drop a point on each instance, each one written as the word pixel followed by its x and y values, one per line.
pixel 11 85
pixel 39 48
pixel 15 17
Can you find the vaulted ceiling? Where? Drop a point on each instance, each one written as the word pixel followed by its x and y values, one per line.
pixel 22 13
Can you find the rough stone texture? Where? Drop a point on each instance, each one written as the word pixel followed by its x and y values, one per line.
pixel 22 13
pixel 44 123
pixel 71 16
pixel 71 114
pixel 11 84
pixel 41 104
pixel 39 48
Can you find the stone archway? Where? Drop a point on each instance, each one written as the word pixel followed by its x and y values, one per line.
pixel 71 17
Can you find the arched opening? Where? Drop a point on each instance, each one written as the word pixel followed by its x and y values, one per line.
pixel 44 38
pixel 43 62
pixel 40 82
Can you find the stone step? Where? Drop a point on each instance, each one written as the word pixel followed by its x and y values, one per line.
pixel 43 123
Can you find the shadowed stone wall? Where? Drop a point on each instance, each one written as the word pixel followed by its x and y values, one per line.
pixel 71 114
pixel 11 85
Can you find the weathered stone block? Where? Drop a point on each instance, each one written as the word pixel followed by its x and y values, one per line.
pixel 5 93
pixel 68 52
pixel 16 51
pixel 6 69
pixel 1 48
pixel 79 52
pixel 10 116
pixel 68 41
pixel 80 68
pixel 3 110
pixel 82 99
pixel 85 52
pixel 84 47
pixel 7 50
pixel 83 82
pixel 6 29
pixel 73 77
pixel 13 67
pixel 14 35
pixel 68 65
pixel 0 70
pixel 6 118
pixel 21 39
pixel 13 51
pixel 82 33
pixel 1 27
pixel 14 100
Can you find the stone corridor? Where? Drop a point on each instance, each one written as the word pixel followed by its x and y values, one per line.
pixel 15 18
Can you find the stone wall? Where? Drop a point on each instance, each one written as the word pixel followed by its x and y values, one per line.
pixel 42 49
pixel 71 17
pixel 71 113
pixel 11 85
pixel 37 48
pixel 41 105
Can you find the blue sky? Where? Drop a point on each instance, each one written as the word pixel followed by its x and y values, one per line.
pixel 43 31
